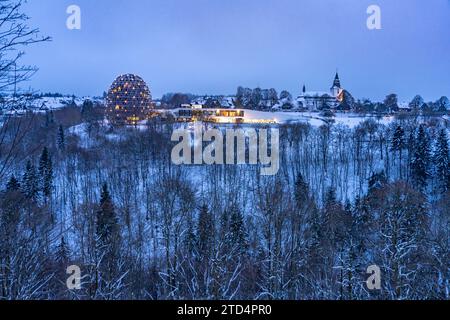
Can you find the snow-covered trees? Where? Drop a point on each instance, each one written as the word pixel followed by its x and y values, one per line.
pixel 107 233
pixel 285 95
pixel 107 224
pixel 161 231
pixel 398 145
pixel 364 106
pixel 61 138
pixel 45 174
pixel 30 184
pixel 441 158
pixel 439 287
pixel 398 140
pixel 256 98
pixel 348 102
pixel 107 275
pixel 401 246
pixel 205 233
pixel 243 96
pixel 23 247
pixel 420 162
pixel 443 104
pixel 285 102
pixel 11 208
pixel 416 103
pixel 391 103
pixel 237 234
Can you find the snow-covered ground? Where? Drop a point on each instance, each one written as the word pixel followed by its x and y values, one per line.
pixel 81 131
pixel 50 103
pixel 42 104
pixel 314 118
pixel 352 120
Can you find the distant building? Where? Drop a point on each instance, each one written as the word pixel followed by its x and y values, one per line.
pixel 128 100
pixel 336 88
pixel 214 102
pixel 322 100
pixel 190 114
pixel 192 106
pixel 404 107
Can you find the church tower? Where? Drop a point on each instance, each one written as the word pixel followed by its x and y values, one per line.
pixel 336 88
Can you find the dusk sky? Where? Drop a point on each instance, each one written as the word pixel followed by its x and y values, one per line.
pixel 213 46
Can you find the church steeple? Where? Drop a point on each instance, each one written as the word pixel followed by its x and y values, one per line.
pixel 336 88
pixel 337 81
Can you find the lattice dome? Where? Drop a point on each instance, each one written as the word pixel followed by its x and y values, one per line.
pixel 128 100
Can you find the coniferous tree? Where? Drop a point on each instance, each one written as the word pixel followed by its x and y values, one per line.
pixel 403 222
pixel 13 184
pixel 330 197
pixel 30 183
pixel 62 252
pixel 108 239
pixel 377 181
pixel 421 159
pixel 61 138
pixel 61 259
pixel 301 190
pixel 10 205
pixel 238 234
pixel 205 264
pixel 330 207
pixel 189 239
pixel 362 224
pixel 416 103
pixel 46 173
pixel 336 218
pixel 304 210
pixel 87 109
pixel 333 216
pixel 224 231
pixel 391 102
pixel 441 161
pixel 411 146
pixel 315 249
pixel 205 232
pixel 107 224
pixel 398 144
pixel 443 104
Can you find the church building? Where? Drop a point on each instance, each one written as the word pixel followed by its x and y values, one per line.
pixel 322 100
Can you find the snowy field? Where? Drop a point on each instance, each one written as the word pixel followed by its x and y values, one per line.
pixel 314 118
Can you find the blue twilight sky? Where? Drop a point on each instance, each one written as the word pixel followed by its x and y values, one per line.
pixel 212 46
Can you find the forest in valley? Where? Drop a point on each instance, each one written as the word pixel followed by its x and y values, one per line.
pixel 76 191
pixel 79 194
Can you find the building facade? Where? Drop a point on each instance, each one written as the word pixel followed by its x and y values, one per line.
pixel 128 101
pixel 322 100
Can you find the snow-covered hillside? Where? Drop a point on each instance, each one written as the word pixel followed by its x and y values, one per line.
pixel 41 104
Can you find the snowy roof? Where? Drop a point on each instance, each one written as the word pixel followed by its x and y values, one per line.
pixel 314 94
pixel 225 101
pixel 403 105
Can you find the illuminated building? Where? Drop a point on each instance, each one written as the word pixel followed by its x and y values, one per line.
pixel 128 100
pixel 315 101
pixel 223 116
pixel 210 115
pixel 336 89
